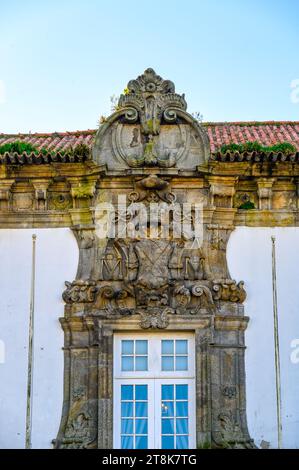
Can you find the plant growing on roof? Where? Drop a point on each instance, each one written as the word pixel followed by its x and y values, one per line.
pixel 18 147
pixel 80 150
pixel 283 147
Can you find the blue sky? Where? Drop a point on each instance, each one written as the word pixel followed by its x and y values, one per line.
pixel 60 61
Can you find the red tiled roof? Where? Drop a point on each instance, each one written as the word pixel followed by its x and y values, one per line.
pixel 266 133
pixel 219 133
pixel 57 141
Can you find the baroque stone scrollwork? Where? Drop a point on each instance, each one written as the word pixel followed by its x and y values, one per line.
pixel 146 278
pixel 79 291
pixel 202 295
pixel 151 128
pixel 228 289
pixel 230 434
pixel 155 318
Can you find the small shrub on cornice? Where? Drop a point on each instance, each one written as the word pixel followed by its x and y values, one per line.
pixel 247 205
pixel 80 150
pixel 283 147
pixel 18 147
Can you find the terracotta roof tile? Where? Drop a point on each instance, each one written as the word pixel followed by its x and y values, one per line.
pixel 219 133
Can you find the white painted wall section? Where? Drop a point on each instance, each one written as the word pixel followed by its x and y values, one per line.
pixel 249 259
pixel 56 262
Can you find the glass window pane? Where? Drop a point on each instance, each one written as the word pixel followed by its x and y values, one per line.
pixel 127 426
pixel 127 409
pixel 167 426
pixel 127 392
pixel 141 363
pixel 141 409
pixel 167 392
pixel 181 392
pixel 127 442
pixel 182 426
pixel 141 442
pixel 141 392
pixel 167 346
pixel 181 408
pixel 182 442
pixel 141 426
pixel 167 442
pixel 167 363
pixel 167 409
pixel 127 363
pixel 141 347
pixel 127 346
pixel 181 346
pixel 181 363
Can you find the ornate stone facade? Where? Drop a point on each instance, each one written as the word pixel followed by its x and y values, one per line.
pixel 151 150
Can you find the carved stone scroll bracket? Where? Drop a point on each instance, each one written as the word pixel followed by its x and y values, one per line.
pixel 82 191
pixel 217 237
pixel 222 190
pixel 229 290
pixel 152 189
pixel 5 194
pixel 80 292
pixel 195 299
pixel 41 188
pixel 264 191
pixel 85 236
pixel 112 300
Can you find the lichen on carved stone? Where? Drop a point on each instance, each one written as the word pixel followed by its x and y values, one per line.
pixel 155 318
pixel 151 128
pixel 229 290
pixel 79 291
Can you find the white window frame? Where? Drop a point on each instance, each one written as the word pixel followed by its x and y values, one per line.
pixel 154 355
pixel 154 377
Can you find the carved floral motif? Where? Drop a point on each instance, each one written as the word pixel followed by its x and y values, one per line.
pixel 79 291
pixel 155 318
pixel 229 290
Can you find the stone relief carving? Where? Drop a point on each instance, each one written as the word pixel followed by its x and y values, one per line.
pixel 229 290
pixel 155 318
pixel 79 291
pixel 229 391
pixel 143 279
pixel 151 128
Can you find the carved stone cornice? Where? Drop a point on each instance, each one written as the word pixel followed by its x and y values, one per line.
pixel 231 323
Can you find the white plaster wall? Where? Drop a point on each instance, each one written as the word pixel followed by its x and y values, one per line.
pixel 56 261
pixel 249 259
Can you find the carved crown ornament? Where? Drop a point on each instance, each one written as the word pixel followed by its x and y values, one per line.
pixel 151 128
